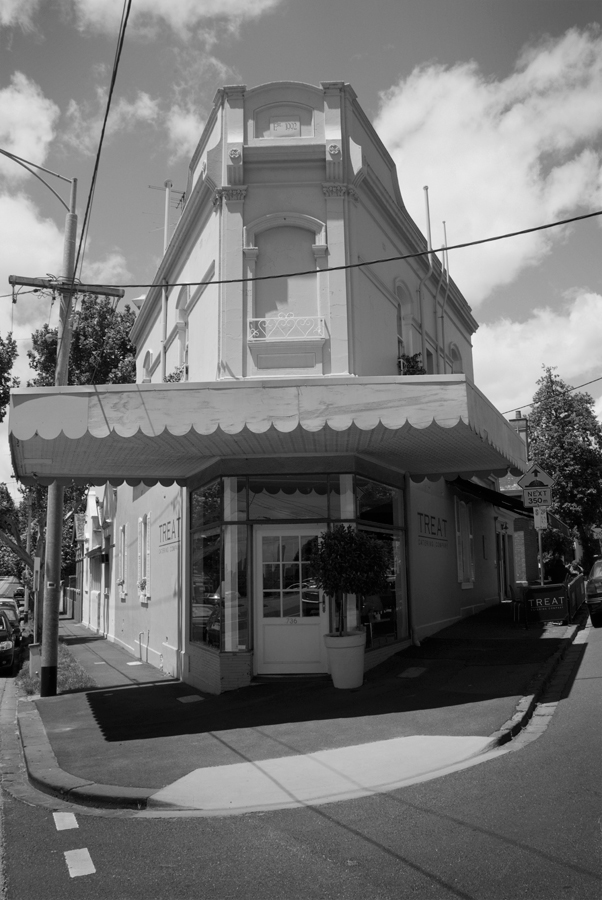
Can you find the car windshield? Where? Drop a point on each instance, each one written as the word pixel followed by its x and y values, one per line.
pixel 9 612
pixel 596 571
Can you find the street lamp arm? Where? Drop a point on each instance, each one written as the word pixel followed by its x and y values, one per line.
pixel 26 165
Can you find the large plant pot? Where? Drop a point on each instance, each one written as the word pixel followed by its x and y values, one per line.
pixel 346 658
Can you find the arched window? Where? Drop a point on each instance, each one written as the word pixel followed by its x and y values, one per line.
pixel 147 366
pixel 404 320
pixel 456 360
pixel 286 250
pixel 400 342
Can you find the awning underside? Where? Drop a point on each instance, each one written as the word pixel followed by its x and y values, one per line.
pixel 168 433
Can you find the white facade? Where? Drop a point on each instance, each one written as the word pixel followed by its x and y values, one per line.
pixel 292 413
pixel 292 178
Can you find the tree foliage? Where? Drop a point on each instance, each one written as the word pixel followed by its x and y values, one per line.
pixel 10 563
pixel 8 354
pixel 412 365
pixel 347 561
pixel 566 440
pixel 101 351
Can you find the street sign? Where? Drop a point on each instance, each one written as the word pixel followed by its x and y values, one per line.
pixel 535 477
pixel 540 516
pixel 537 496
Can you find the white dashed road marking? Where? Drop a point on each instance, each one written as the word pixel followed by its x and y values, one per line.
pixel 79 862
pixel 64 820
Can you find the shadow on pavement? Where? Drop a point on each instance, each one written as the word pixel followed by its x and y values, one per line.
pixel 441 673
pixel 69 640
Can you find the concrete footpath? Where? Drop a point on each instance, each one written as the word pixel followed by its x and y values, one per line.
pixel 142 740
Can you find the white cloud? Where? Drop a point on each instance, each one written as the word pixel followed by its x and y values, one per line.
pixel 508 356
pixel 85 127
pixel 31 246
pixel 182 16
pixel 19 13
pixel 500 155
pixel 184 128
pixel 27 124
pixel 110 270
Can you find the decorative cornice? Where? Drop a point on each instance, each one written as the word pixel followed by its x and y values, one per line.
pixel 229 194
pixel 234 194
pixel 334 190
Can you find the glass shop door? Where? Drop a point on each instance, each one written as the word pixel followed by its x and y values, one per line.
pixel 290 612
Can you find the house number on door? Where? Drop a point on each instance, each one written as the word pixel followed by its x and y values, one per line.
pixel 292 621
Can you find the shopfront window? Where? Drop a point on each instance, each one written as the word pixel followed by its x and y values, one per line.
pixel 288 497
pixel 384 615
pixel 288 590
pixel 206 552
pixel 379 504
pixel 219 607
pixel 205 505
pixel 225 516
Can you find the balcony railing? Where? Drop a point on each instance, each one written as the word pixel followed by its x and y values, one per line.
pixel 286 327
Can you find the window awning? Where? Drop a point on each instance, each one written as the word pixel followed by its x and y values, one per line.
pixel 496 498
pixel 428 426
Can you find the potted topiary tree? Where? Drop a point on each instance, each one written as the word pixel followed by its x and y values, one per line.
pixel 348 561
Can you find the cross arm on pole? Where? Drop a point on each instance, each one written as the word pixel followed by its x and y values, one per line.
pixel 65 285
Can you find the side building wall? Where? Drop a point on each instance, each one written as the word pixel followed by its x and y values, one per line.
pixel 438 595
pixel 133 591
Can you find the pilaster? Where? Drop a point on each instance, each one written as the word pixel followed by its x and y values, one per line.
pixel 231 201
pixel 335 195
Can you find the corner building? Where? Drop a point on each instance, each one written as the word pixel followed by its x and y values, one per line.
pixel 270 406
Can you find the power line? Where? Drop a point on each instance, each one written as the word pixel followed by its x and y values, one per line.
pixel 537 402
pixel 86 223
pixel 370 262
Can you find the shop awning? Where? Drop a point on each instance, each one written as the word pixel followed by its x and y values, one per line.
pixel 496 498
pixel 428 426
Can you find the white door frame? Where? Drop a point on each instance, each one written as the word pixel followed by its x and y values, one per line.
pixel 286 645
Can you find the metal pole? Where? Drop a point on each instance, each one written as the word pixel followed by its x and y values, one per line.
pixel 54 515
pixel 168 186
pixel 540 544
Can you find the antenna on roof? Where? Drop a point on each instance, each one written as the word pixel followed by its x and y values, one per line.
pixel 177 202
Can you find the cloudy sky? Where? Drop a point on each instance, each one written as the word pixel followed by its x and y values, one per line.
pixel 495 104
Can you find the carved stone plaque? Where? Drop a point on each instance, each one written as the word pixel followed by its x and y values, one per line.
pixel 285 127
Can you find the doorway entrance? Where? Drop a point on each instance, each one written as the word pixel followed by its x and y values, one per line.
pixel 290 612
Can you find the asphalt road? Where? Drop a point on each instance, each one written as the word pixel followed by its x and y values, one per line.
pixel 524 825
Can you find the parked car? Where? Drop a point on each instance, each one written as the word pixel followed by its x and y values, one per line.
pixel 19 598
pixel 593 590
pixel 8 649
pixel 11 610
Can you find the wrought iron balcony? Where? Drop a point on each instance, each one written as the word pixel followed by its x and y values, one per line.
pixel 287 327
